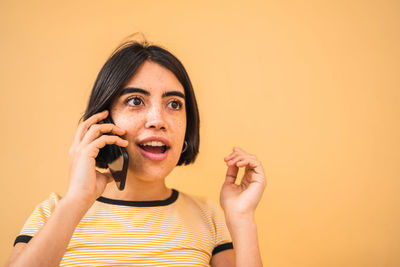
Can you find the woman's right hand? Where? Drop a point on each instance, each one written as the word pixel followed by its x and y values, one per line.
pixel 86 183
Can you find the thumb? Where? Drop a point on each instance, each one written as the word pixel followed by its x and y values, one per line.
pixel 231 174
pixel 109 176
pixel 105 175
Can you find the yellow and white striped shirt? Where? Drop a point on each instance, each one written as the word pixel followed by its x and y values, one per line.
pixel 182 230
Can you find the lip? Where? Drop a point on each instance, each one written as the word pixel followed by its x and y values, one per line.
pixel 155 138
pixel 154 156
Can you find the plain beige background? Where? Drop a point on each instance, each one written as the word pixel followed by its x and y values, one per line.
pixel 311 87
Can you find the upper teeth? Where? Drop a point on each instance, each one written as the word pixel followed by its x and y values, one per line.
pixel 154 143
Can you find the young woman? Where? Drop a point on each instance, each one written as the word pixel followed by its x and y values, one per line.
pixel 147 93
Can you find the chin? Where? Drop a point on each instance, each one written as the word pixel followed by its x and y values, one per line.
pixel 151 172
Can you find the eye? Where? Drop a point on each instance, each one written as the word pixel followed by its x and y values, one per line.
pixel 134 101
pixel 175 104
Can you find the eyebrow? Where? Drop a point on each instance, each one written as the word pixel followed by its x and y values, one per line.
pixel 147 93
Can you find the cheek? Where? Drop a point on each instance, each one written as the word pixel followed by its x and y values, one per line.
pixel 179 126
pixel 131 124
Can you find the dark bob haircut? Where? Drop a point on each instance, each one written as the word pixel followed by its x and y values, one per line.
pixel 122 65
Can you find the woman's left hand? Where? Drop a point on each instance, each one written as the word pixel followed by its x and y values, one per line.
pixel 244 198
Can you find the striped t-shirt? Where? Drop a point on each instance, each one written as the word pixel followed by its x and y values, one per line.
pixel 182 230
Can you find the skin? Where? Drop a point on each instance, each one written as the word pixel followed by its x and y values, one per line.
pixel 148 115
pixel 142 116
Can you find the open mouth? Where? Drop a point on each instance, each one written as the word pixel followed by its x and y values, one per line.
pixel 154 150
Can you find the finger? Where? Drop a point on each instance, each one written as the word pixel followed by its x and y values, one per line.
pixel 231 174
pixel 103 180
pixel 84 126
pixel 251 164
pixel 255 167
pixel 105 172
pixel 234 152
pixel 238 156
pixel 242 163
pixel 228 157
pixel 108 174
pixel 96 130
pixel 235 157
pixel 238 149
pixel 102 141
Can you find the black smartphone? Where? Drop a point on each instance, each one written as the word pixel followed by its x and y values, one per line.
pixel 115 158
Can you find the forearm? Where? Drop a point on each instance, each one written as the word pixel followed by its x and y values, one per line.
pixel 243 230
pixel 48 246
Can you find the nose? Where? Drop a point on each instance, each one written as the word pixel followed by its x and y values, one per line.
pixel 155 118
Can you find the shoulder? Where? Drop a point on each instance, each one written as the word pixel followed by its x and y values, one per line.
pixel 206 205
pixel 49 203
pixel 195 199
pixel 39 216
pixel 52 200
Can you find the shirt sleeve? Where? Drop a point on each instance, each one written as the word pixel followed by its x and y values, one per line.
pixel 37 219
pixel 223 240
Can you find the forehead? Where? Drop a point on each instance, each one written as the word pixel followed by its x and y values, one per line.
pixel 154 78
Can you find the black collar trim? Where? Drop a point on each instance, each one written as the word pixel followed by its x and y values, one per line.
pixel 152 203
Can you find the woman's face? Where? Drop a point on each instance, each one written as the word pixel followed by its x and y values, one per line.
pixel 151 108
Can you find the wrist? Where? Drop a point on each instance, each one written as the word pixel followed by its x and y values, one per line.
pixel 239 214
pixel 77 204
pixel 234 217
pixel 82 197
